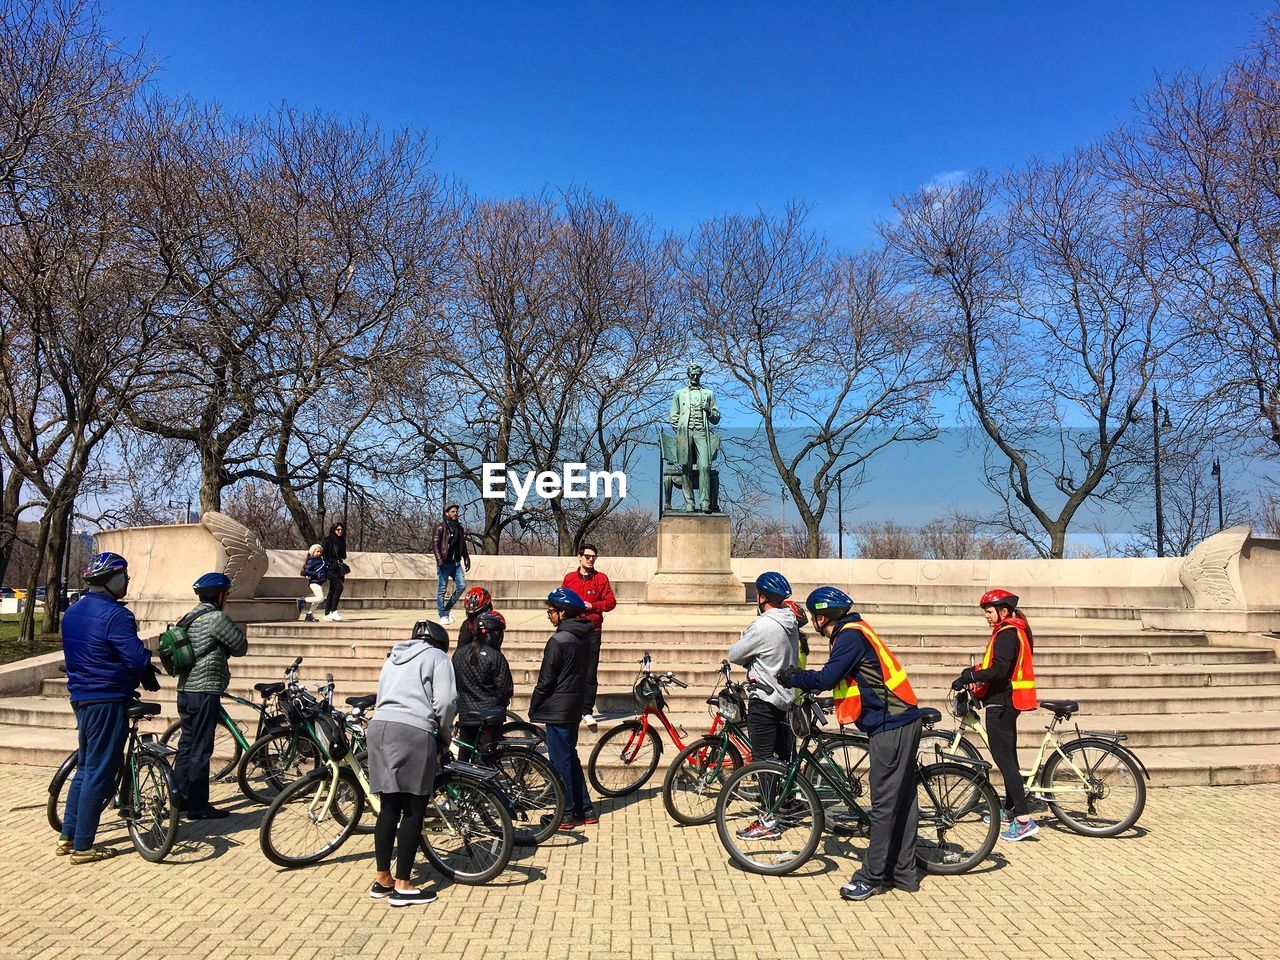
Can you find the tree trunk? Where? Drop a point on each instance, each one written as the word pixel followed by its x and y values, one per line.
pixel 27 622
pixel 212 479
pixel 52 562
pixel 10 491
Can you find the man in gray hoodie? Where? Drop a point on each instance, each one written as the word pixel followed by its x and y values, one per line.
pixel 769 645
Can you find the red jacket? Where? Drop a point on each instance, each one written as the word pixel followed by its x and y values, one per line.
pixel 595 590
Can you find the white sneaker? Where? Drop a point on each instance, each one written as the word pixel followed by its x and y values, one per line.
pixel 335 615
pixel 446 619
pixel 329 616
pixel 590 720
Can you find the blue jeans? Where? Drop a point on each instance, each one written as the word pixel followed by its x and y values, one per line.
pixel 199 714
pixel 444 573
pixel 562 747
pixel 102 729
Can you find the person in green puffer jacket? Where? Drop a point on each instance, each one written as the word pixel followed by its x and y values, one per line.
pixel 214 638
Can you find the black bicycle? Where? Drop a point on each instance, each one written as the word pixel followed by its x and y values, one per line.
pixel 144 789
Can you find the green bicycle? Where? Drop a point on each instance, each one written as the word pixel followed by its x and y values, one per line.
pixel 770 815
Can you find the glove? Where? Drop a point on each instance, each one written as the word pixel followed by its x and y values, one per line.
pixel 962 681
pixel 786 675
pixel 150 679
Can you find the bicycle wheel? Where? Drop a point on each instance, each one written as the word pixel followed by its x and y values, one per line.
pixel 763 831
pixel 536 793
pixel 624 759
pixel 468 835
pixel 152 817
pixel 226 747
pixel 959 818
pixel 523 734
pixel 311 818
pixel 845 756
pixel 57 786
pixel 1107 794
pixel 935 742
pixel 693 781
pixel 275 761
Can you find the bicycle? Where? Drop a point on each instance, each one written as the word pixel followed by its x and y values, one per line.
pixel 229 741
pixel 693 781
pixel 1074 777
pixel 144 789
pixel 638 755
pixel 956 801
pixel 536 791
pixel 468 835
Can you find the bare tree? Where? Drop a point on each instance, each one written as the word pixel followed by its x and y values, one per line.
pixel 831 353
pixel 1201 157
pixel 1058 316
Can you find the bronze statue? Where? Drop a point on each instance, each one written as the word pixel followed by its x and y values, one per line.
pixel 694 415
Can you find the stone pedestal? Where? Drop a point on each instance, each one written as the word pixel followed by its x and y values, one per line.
pixel 693 561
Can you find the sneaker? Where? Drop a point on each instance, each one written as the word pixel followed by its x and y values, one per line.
pixel 859 889
pixel 446 619
pixel 760 830
pixel 406 898
pixel 567 824
pixel 310 618
pixel 590 721
pixel 206 813
pixel 337 616
pixel 301 603
pixel 1019 830
pixel 63 847
pixel 1005 818
pixel 590 818
pixel 379 892
pixel 92 855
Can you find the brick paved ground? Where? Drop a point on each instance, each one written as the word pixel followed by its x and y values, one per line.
pixel 1202 880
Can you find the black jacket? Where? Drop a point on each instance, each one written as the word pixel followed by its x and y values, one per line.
pixel 999 675
pixel 561 691
pixel 483 677
pixel 334 550
pixel 443 540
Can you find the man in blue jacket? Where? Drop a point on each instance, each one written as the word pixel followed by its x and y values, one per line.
pixel 105 663
pixel 872 690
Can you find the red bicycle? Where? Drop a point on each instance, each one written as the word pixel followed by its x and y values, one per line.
pixel 627 755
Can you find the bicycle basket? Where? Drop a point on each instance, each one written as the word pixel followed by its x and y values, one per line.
pixel 729 705
pixel 959 703
pixel 800 720
pixel 648 693
pixel 331 735
pixel 299 707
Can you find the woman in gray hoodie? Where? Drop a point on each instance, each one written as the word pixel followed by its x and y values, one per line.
pixel 417 699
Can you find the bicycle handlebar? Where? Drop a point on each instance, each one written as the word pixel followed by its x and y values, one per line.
pixel 670 677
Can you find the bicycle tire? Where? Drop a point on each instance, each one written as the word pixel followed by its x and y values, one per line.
pixel 272 835
pixel 273 762
pixel 153 816
pixel 850 754
pixel 959 818
pixel 219 769
pixel 537 794
pixel 468 836
pixel 61 777
pixel 626 767
pixel 1124 772
pixel 699 769
pixel 944 740
pixel 520 731
pixel 740 802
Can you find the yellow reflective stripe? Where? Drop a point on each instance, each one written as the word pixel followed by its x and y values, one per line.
pixel 1024 683
pixel 887 662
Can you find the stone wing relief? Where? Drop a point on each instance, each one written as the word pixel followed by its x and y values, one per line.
pixel 246 561
pixel 1206 574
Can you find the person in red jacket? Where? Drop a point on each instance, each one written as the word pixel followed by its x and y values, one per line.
pixel 594 588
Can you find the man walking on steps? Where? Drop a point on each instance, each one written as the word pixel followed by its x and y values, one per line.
pixel 214 638
pixel 596 592
pixel 452 558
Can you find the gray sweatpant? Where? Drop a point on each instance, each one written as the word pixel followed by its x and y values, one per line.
pixel 891 853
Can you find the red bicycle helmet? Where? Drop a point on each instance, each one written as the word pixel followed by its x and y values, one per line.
pixel 478 599
pixel 999 598
pixel 802 618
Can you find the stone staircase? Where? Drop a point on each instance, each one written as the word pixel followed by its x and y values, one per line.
pixel 1196 713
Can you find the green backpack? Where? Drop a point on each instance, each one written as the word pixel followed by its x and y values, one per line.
pixel 177 652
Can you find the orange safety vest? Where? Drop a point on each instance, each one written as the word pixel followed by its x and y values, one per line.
pixel 848 698
pixel 1023 677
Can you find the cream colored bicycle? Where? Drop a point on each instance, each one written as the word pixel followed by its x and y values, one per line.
pixel 1091 782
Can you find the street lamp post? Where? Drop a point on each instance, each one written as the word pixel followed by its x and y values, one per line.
pixel 1217 475
pixel 1155 441
pixel 840 510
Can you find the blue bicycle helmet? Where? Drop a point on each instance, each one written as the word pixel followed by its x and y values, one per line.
pixel 828 598
pixel 566 599
pixel 103 567
pixel 211 584
pixel 774 584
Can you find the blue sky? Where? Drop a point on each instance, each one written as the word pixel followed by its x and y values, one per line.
pixel 685 110
pixel 682 111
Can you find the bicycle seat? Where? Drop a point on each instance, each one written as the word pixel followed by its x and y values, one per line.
pixel 139 710
pixel 487 715
pixel 268 689
pixel 1062 708
pixel 362 703
pixel 930 716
